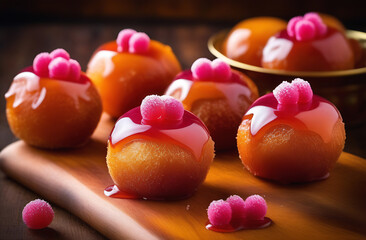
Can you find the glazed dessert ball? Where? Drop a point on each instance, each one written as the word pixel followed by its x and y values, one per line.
pixel 53 104
pixel 218 95
pixel 291 135
pixel 308 45
pixel 126 70
pixel 159 151
pixel 247 39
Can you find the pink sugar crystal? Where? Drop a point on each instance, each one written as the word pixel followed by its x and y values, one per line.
pixel 255 207
pixel 320 27
pixel 152 108
pixel 219 213
pixel 75 70
pixel 304 89
pixel 173 108
pixel 139 43
pixel 59 68
pixel 123 39
pixel 237 205
pixel 37 214
pixel 59 52
pixel 201 69
pixel 40 64
pixel 286 93
pixel 221 70
pixel 291 25
pixel 304 30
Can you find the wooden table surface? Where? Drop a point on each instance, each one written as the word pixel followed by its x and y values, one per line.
pixel 18 46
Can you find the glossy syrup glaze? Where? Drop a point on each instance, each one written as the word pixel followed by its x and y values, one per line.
pixel 188 91
pixel 27 85
pixel 327 53
pixel 318 116
pixel 240 224
pixel 189 133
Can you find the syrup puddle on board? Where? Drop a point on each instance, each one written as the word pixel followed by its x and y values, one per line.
pixel 240 224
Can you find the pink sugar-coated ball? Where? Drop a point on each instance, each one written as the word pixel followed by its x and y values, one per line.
pixel 123 38
pixel 37 214
pixel 221 70
pixel 237 205
pixel 173 109
pixel 219 213
pixel 202 69
pixel 304 89
pixel 40 64
pixel 304 30
pixel 320 27
pixel 152 108
pixel 59 68
pixel 255 207
pixel 139 43
pixel 291 25
pixel 286 93
pixel 75 70
pixel 59 52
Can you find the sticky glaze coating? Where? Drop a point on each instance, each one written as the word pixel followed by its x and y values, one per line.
pixel 247 39
pixel 291 143
pixel 220 105
pixel 123 79
pixel 51 113
pixel 159 160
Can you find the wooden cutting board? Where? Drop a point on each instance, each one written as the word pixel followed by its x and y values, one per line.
pixel 75 179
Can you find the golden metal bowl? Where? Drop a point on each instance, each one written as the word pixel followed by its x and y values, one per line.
pixel 346 88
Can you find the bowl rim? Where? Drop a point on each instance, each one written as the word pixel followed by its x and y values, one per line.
pixel 219 37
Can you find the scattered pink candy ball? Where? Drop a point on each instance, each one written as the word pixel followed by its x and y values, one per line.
pixel 320 27
pixel 152 108
pixel 255 207
pixel 75 70
pixel 201 69
pixel 286 93
pixel 219 213
pixel 37 214
pixel 237 205
pixel 173 108
pixel 40 64
pixel 291 25
pixel 221 70
pixel 304 89
pixel 305 30
pixel 59 68
pixel 123 39
pixel 139 43
pixel 59 52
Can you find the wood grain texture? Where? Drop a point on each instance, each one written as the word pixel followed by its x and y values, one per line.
pixel 75 180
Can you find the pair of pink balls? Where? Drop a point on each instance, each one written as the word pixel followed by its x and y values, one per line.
pixel 160 108
pixel 306 28
pixel 205 70
pixel 221 212
pixel 129 40
pixel 298 91
pixel 57 65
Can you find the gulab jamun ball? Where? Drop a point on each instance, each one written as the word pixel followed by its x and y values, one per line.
pixel 52 104
pixel 291 135
pixel 247 39
pixel 159 151
pixel 130 68
pixel 218 95
pixel 308 44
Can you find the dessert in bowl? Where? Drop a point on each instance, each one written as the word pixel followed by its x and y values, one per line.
pixel 291 135
pixel 344 88
pixel 218 95
pixel 52 104
pixel 158 151
pixel 129 68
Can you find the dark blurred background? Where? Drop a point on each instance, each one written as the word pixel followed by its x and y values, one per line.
pixel 30 27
